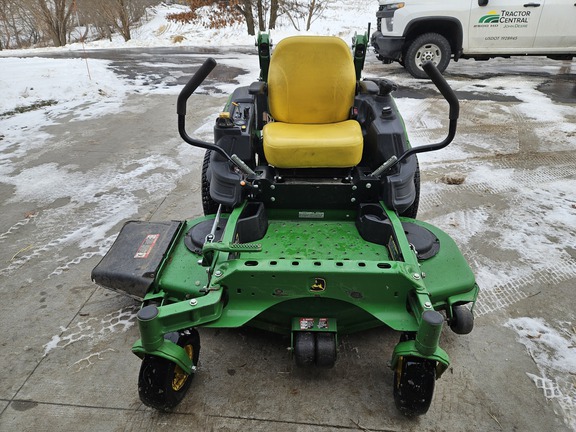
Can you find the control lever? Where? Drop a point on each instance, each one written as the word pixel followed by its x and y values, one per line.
pixel 185 94
pixel 242 165
pixel 454 111
pixel 384 166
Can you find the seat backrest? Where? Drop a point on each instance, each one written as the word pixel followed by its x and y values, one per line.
pixel 311 80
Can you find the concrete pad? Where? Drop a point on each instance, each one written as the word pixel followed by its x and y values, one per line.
pixel 66 356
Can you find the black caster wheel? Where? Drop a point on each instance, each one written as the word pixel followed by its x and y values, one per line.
pixel 315 349
pixel 414 380
pixel 462 321
pixel 162 384
pixel 304 349
pixel 325 350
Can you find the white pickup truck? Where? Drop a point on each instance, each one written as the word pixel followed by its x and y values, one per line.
pixel 415 31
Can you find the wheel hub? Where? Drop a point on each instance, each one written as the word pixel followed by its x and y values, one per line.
pixel 180 376
pixel 428 52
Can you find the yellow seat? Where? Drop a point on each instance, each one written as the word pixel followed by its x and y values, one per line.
pixel 311 88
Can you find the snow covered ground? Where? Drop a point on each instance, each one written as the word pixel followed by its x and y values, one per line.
pixel 28 82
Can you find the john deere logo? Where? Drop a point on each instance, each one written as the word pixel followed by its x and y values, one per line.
pixel 491 18
pixel 319 285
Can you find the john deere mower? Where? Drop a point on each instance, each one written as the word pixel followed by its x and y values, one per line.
pixel 310 193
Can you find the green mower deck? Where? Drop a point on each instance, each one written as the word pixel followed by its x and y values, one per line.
pixel 303 269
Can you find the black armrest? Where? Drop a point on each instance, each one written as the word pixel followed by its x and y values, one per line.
pixel 368 87
pixel 258 88
pixel 260 91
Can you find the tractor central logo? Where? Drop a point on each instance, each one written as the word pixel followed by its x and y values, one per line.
pixel 508 18
pixel 492 18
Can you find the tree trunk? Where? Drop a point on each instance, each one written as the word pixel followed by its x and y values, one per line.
pixel 124 26
pixel 6 21
pixel 55 18
pixel 246 11
pixel 16 32
pixel 274 6
pixel 311 8
pixel 261 24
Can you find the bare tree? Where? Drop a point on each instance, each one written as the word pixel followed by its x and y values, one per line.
pixel 274 10
pixel 262 9
pixel 109 16
pixel 245 8
pixel 89 14
pixel 18 27
pixel 304 12
pixel 53 16
pixel 122 14
pixel 315 10
pixel 23 22
pixel 9 29
pixel 225 12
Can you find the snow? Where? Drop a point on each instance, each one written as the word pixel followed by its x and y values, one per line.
pixel 553 352
pixel 25 81
pixel 28 81
pixel 85 90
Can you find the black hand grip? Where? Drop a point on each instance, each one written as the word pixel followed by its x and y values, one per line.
pixel 441 84
pixel 439 81
pixel 193 84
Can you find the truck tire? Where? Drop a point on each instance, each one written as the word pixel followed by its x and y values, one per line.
pixel 427 47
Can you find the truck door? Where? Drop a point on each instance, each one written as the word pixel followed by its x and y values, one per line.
pixel 503 26
pixel 557 28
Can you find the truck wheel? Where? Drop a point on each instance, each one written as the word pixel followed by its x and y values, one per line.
pixel 427 47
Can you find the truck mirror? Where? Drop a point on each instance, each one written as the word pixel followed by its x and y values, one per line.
pixel 482 2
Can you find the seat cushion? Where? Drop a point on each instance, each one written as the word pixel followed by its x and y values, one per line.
pixel 311 80
pixel 333 145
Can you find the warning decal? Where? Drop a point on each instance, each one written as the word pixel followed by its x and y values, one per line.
pixel 147 246
pixel 306 323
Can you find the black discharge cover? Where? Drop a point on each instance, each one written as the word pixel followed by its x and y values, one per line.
pixel 133 260
pixel 426 244
pixel 196 236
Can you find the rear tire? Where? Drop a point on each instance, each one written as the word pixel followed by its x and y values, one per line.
pixel 412 211
pixel 208 204
pixel 427 47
